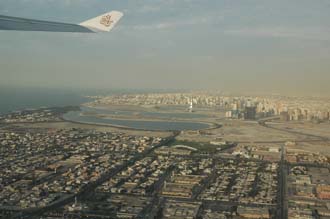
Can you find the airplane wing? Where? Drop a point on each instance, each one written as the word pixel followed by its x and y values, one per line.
pixel 102 23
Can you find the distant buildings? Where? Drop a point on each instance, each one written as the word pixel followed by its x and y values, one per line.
pixel 236 107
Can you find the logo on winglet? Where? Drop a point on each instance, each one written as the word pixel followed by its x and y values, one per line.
pixel 106 20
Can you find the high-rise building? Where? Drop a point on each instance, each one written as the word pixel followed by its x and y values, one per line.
pixel 284 116
pixel 250 113
pixel 191 106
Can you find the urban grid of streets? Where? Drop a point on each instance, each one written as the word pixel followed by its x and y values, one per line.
pixel 67 173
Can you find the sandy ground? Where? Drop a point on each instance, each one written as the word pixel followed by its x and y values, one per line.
pixel 247 133
pixel 242 131
pixel 322 129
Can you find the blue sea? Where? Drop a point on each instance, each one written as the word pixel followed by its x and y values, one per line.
pixel 13 99
pixel 19 98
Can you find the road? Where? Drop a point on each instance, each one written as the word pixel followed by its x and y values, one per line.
pixel 282 208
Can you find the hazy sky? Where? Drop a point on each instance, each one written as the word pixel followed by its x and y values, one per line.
pixel 232 45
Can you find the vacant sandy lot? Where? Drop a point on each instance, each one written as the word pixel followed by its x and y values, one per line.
pixel 242 131
pixel 322 129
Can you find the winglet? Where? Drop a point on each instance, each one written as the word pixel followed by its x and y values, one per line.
pixel 103 23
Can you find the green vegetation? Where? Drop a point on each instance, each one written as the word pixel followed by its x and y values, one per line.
pixel 201 146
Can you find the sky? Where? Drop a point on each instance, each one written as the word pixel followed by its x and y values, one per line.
pixel 262 46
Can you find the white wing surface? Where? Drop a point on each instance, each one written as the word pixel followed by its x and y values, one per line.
pixel 103 23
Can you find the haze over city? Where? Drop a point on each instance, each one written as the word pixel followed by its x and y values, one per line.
pixel 164 109
pixel 236 46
